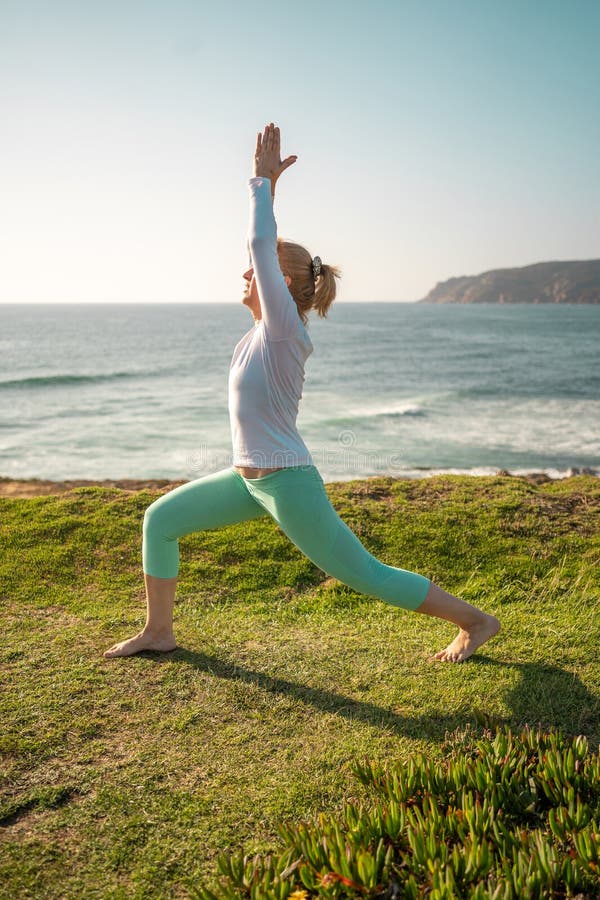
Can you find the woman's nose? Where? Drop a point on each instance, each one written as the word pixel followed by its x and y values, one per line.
pixel 248 275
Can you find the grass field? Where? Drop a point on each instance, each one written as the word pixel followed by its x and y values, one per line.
pixel 124 778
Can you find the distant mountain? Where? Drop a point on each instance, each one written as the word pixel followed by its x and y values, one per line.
pixel 548 282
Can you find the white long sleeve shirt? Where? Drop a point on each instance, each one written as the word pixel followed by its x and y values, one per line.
pixel 267 369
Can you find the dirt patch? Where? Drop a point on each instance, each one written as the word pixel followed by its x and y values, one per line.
pixel 37 487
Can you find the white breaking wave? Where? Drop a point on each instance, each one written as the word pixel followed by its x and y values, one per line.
pixel 554 473
pixel 398 408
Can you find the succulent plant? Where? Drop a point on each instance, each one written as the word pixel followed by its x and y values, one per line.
pixel 502 816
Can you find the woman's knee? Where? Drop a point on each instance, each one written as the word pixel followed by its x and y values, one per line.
pixel 350 562
pixel 158 519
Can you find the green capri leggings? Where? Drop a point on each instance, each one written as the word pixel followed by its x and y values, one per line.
pixel 296 498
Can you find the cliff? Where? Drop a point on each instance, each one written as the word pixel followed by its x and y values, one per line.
pixel 547 282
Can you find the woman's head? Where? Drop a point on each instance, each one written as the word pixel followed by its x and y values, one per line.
pixel 308 291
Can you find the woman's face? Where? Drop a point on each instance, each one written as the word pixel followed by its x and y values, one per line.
pixel 250 298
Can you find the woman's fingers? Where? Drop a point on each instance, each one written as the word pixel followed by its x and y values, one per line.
pixel 271 139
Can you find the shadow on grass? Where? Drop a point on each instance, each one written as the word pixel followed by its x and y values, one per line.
pixel 546 696
pixel 549 696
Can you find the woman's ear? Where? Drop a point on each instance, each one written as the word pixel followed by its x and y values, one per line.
pixel 288 280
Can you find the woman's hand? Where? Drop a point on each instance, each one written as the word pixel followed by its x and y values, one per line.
pixel 267 159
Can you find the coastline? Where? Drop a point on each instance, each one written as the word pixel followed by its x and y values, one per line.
pixel 20 488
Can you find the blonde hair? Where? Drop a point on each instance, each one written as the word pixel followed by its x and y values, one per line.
pixel 308 292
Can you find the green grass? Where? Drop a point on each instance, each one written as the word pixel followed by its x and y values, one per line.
pixel 125 778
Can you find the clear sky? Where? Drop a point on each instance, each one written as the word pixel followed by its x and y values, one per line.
pixel 435 138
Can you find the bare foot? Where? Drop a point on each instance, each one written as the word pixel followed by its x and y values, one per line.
pixel 466 642
pixel 141 641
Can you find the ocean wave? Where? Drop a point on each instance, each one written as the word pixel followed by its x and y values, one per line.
pixel 550 472
pixel 42 381
pixel 390 410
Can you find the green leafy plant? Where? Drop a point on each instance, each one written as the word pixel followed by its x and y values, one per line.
pixel 503 815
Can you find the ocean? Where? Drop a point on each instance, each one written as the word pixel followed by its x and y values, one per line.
pixel 97 391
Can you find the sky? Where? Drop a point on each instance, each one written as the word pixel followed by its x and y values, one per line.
pixel 435 138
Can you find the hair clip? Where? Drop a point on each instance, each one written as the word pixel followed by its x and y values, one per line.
pixel 316 266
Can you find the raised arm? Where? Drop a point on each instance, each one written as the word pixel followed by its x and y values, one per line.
pixel 278 309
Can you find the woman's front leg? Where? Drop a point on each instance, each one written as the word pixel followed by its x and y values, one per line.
pixel 157 633
pixel 209 502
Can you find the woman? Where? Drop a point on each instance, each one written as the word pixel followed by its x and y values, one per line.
pixel 272 471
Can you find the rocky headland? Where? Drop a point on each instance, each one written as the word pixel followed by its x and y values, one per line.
pixel 546 282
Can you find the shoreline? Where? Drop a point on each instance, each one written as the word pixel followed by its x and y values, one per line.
pixel 20 488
